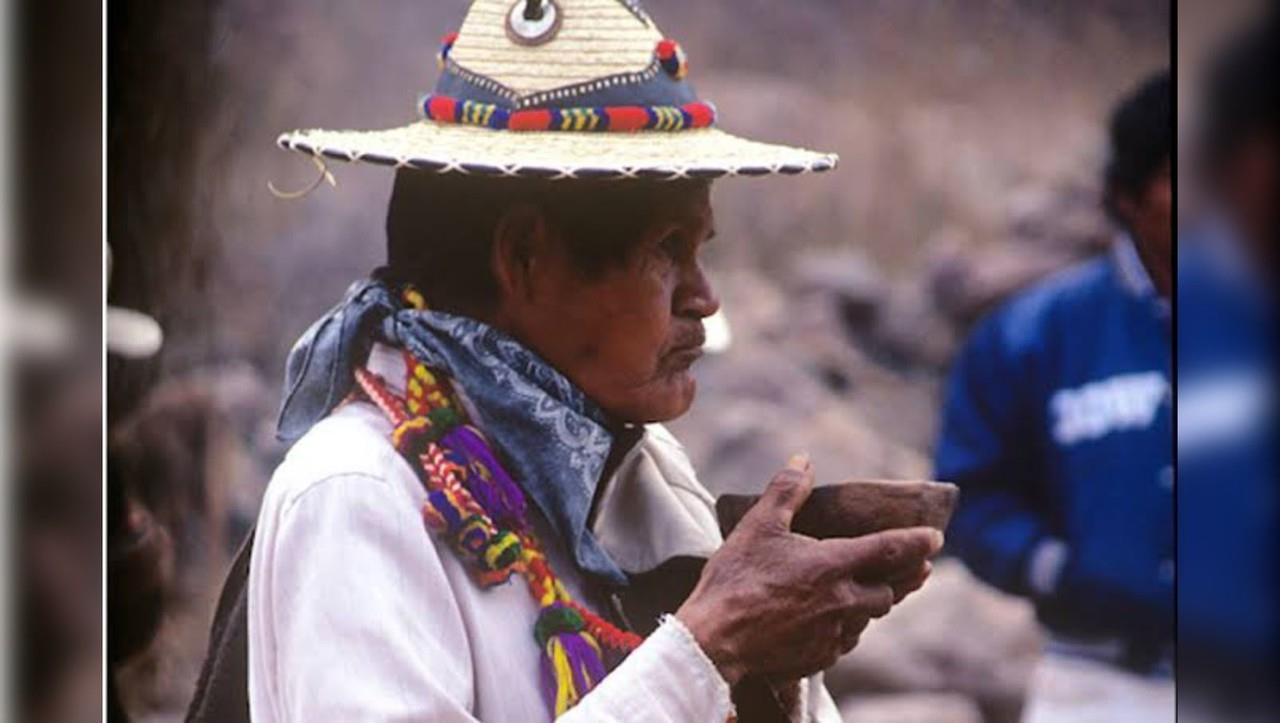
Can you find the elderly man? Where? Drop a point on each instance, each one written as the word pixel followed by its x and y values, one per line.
pixel 1058 428
pixel 480 483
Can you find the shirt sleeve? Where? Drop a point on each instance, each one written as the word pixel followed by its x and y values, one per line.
pixel 333 579
pixel 987 446
pixel 821 707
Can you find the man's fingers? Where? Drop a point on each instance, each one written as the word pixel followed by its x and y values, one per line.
pixel 884 555
pixel 851 632
pixel 786 492
pixel 908 584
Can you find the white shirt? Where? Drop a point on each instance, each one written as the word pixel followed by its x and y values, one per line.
pixel 357 613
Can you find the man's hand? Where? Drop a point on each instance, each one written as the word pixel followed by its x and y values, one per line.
pixel 774 603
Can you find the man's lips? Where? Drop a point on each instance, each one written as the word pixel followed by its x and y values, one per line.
pixel 689 349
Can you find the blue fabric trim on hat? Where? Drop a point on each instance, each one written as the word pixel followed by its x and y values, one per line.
pixel 658 90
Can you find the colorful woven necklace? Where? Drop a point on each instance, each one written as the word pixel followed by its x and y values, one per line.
pixel 474 504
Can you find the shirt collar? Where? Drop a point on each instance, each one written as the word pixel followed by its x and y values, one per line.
pixel 1133 273
pixel 388 363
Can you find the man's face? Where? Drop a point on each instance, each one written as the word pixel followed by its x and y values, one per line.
pixel 1149 217
pixel 629 337
pixel 1247 185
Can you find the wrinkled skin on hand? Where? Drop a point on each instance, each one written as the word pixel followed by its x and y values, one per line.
pixel 780 605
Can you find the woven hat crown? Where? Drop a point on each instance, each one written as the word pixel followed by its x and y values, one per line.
pixel 586 40
pixel 595 65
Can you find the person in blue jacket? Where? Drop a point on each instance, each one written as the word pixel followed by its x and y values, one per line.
pixel 1228 501
pixel 1057 428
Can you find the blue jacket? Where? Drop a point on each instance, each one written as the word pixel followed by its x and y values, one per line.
pixel 1228 502
pixel 1057 427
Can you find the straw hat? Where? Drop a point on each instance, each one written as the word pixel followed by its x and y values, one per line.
pixel 561 89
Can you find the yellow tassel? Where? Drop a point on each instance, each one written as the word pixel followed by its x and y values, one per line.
pixel 566 694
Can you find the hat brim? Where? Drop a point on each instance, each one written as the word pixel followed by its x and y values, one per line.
pixel 658 155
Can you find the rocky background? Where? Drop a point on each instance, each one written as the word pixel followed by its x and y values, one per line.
pixel 971 139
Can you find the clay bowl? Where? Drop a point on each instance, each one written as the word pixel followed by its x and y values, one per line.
pixel 858 507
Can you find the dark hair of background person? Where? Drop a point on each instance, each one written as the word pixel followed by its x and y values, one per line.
pixel 1141 141
pixel 1239 142
pixel 1241 95
pixel 440 228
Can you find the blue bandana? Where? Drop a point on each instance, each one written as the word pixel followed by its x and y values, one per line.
pixel 551 437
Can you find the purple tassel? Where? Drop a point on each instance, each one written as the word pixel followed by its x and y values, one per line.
pixel 500 496
pixel 588 668
pixel 584 662
pixel 486 495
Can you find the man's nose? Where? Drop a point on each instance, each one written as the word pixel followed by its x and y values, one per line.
pixel 698 299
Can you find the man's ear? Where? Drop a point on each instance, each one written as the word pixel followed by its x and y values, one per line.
pixel 519 246
pixel 1124 207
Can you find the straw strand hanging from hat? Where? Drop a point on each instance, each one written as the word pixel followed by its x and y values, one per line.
pixel 325 176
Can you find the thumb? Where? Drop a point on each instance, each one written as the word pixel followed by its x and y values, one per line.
pixel 787 491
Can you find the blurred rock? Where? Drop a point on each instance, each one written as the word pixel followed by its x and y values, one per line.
pixel 896 322
pixel 955 635
pixel 911 333
pixel 910 708
pixel 965 284
pixel 795 380
pixel 757 406
pixel 193 451
pixel 196 450
pixel 1067 216
pixel 1049 227
pixel 854 284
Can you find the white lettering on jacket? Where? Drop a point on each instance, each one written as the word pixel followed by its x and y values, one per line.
pixel 1096 409
pixel 1218 407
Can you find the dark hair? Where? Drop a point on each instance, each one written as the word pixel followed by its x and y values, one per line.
pixel 440 228
pixel 1240 93
pixel 1141 136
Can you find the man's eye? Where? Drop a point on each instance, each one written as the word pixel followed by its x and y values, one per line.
pixel 672 245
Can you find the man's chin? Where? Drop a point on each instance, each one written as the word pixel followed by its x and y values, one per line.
pixel 683 388
pixel 669 401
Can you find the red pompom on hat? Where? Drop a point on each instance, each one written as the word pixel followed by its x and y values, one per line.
pixel 672 58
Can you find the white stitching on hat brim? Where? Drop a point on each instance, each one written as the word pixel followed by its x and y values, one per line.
pixel 560 172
